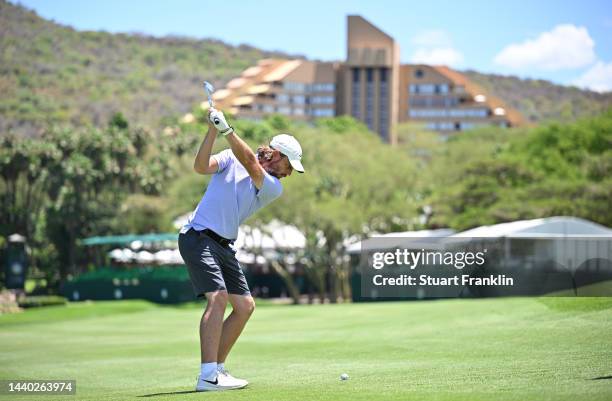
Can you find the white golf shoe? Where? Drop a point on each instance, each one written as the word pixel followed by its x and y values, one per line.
pixel 223 372
pixel 221 382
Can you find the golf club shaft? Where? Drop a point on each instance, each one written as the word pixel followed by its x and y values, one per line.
pixel 209 90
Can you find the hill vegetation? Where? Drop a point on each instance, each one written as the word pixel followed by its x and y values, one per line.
pixel 542 101
pixel 50 73
pixel 492 176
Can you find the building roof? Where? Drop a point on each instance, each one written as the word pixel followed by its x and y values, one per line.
pixel 242 101
pixel 236 83
pixel 561 226
pixel 360 29
pixel 256 89
pixel 249 81
pixel 473 89
pixel 422 234
pixel 546 227
pixel 312 71
pixel 221 94
pixel 454 76
pixel 251 71
pixel 280 72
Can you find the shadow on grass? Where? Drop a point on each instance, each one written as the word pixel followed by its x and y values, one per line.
pixel 602 378
pixel 169 393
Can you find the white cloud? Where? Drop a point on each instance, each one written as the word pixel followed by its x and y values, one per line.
pixel 435 47
pixel 437 56
pixel 564 47
pixel 597 78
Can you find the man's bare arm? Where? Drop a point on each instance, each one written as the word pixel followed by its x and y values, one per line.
pixel 241 150
pixel 203 163
pixel 247 158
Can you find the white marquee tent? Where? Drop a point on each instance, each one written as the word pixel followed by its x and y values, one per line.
pixel 559 226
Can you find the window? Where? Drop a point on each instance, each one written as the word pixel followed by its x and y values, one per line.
pixel 294 86
pixel 423 88
pixel 452 126
pixel 383 111
pixel 298 99
pixel 322 112
pixel 383 75
pixel 470 125
pixel 427 88
pixel 369 118
pixel 442 88
pixel 419 73
pixel 323 87
pixel 322 100
pixel 356 95
pixel 450 101
pixel 468 112
pixel 417 101
pixel 440 126
pixel 441 112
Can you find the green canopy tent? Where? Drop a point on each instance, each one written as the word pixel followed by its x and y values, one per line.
pixel 165 284
pixel 129 238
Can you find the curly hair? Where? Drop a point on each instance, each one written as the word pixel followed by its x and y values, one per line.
pixel 265 153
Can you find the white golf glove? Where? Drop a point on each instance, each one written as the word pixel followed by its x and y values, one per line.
pixel 218 120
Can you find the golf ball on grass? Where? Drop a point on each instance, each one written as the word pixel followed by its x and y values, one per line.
pixel 344 376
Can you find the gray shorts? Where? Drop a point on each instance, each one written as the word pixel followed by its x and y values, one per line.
pixel 211 266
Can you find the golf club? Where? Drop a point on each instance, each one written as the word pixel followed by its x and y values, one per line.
pixel 209 91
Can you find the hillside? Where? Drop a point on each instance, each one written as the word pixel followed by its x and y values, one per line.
pixel 51 73
pixel 541 100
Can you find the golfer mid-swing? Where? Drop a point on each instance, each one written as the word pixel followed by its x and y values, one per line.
pixel 242 183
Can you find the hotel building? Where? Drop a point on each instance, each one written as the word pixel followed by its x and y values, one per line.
pixel 371 85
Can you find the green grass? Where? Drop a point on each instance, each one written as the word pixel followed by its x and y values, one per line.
pixel 502 349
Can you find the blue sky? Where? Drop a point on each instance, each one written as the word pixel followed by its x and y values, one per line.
pixel 564 41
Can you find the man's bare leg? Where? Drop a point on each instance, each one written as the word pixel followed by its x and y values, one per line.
pixel 211 325
pixel 242 308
